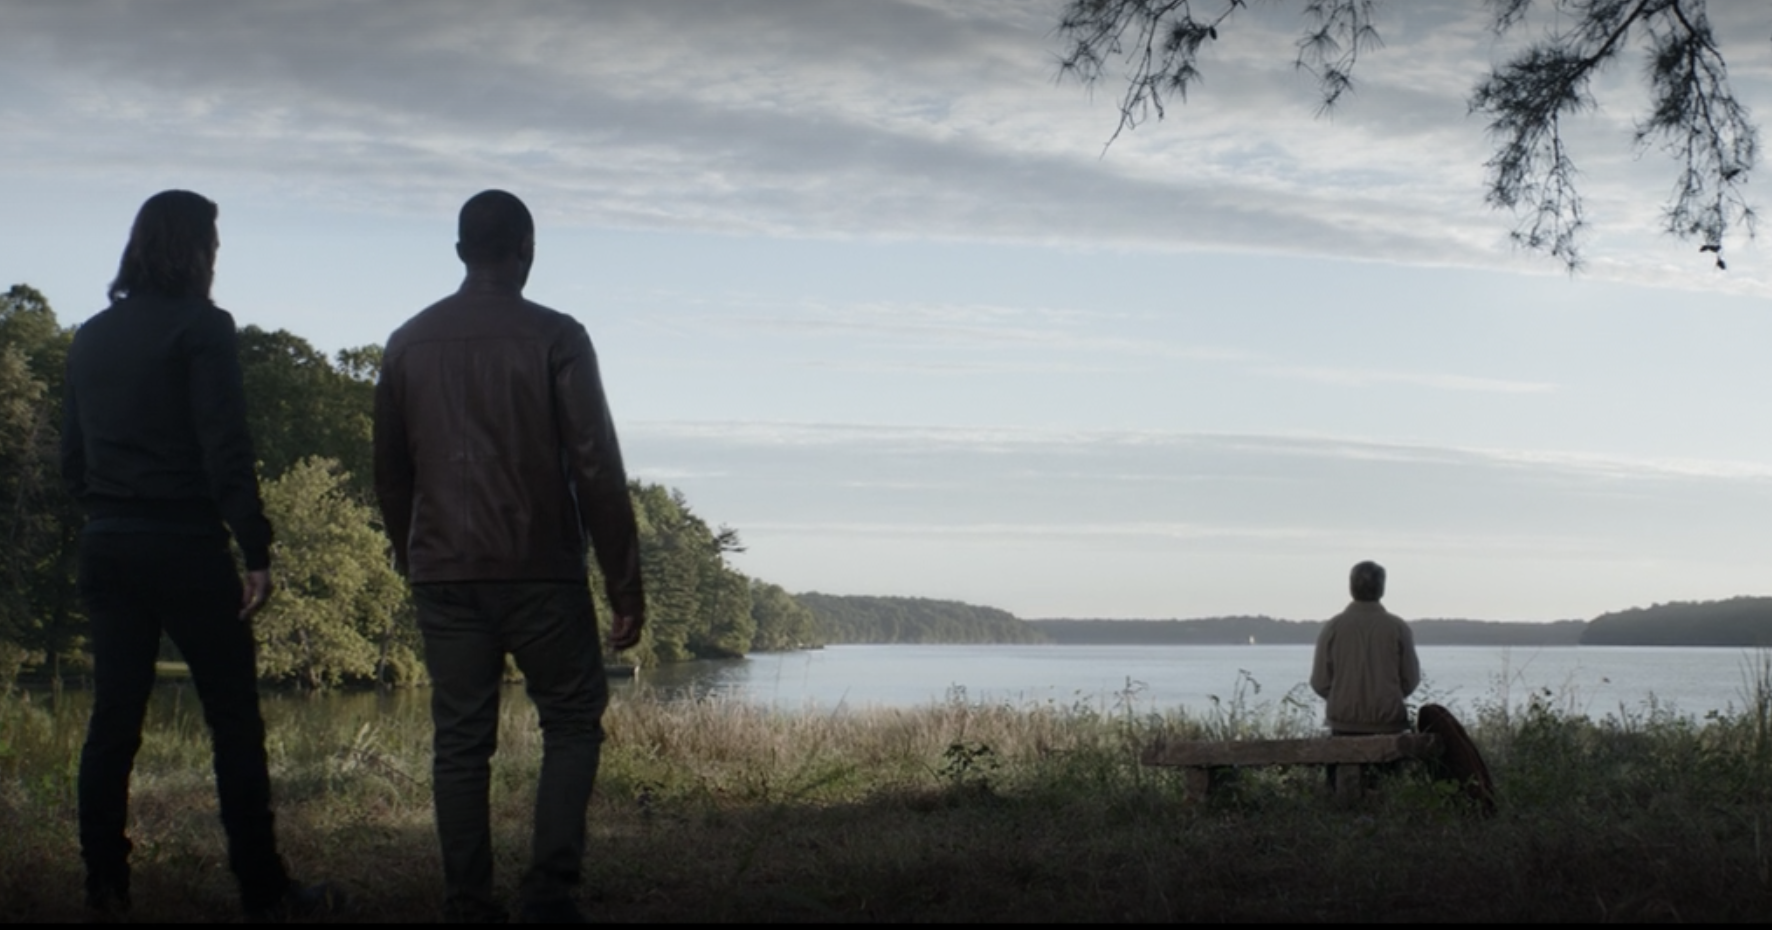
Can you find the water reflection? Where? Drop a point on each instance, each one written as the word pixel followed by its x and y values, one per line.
pixel 713 678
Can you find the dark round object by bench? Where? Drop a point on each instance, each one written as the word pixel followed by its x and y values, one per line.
pixel 1459 760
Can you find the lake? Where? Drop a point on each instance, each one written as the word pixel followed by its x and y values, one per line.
pixel 1594 680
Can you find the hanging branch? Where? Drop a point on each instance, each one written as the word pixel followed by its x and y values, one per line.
pixel 1694 118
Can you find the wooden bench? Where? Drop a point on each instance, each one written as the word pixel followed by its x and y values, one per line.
pixel 1346 753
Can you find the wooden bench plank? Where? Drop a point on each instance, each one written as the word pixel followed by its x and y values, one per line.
pixel 1332 750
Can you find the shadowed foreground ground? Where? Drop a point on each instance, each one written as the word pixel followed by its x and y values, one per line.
pixel 954 812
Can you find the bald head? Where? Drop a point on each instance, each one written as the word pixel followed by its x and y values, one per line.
pixel 495 228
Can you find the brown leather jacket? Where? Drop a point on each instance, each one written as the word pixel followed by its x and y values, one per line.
pixel 495 455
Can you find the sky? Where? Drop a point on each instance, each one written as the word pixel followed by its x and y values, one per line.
pixel 868 284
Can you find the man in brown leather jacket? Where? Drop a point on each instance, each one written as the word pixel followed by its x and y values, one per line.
pixel 495 463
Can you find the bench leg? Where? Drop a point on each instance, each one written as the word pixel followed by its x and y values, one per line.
pixel 1199 783
pixel 1348 787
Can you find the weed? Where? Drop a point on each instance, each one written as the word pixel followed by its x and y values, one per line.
pixel 968 765
pixel 711 809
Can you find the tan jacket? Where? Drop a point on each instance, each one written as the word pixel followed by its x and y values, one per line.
pixel 1365 666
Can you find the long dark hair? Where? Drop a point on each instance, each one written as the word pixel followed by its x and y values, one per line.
pixel 171 250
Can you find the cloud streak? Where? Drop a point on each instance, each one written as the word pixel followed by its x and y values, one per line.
pixel 885 119
pixel 1066 341
pixel 1152 523
pixel 871 440
pixel 1437 381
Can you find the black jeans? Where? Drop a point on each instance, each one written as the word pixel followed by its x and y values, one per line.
pixel 134 585
pixel 550 628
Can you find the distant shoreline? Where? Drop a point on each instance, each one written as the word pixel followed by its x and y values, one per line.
pixel 1732 622
pixel 1230 631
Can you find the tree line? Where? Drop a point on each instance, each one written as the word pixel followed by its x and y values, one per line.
pixel 340 614
pixel 1267 631
pixel 860 619
pixel 1737 621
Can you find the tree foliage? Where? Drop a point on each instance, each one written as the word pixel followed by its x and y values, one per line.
pixel 860 619
pixel 21 399
pixel 40 619
pixel 1693 115
pixel 697 605
pixel 1737 621
pixel 339 613
pixel 782 622
pixel 299 403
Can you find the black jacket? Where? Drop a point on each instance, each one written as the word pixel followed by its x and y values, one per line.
pixel 495 455
pixel 154 424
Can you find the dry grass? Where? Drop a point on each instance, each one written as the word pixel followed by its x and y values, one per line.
pixel 955 811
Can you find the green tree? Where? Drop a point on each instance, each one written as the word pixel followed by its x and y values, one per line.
pixel 1693 114
pixel 40 619
pixel 728 628
pixel 299 403
pixel 21 400
pixel 28 323
pixel 782 622
pixel 670 561
pixel 340 612
pixel 696 604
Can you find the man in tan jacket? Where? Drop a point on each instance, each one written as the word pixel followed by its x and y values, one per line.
pixel 1365 663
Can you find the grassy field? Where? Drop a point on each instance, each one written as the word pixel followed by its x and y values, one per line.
pixel 955 811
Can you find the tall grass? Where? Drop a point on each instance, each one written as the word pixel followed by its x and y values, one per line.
pixel 958 810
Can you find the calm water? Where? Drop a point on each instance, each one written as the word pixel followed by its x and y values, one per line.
pixel 1595 680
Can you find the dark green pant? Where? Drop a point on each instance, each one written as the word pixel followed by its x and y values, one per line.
pixel 550 628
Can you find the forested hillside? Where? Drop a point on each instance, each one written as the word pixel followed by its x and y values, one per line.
pixel 1272 632
pixel 1738 621
pixel 1496 633
pixel 857 619
pixel 1213 630
pixel 340 615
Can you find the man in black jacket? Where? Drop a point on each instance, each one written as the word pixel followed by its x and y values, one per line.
pixel 495 463
pixel 154 446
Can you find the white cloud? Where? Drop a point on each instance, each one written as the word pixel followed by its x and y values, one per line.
pixel 1437 381
pixel 887 119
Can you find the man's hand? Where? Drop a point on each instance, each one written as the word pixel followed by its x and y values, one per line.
pixel 624 632
pixel 254 592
